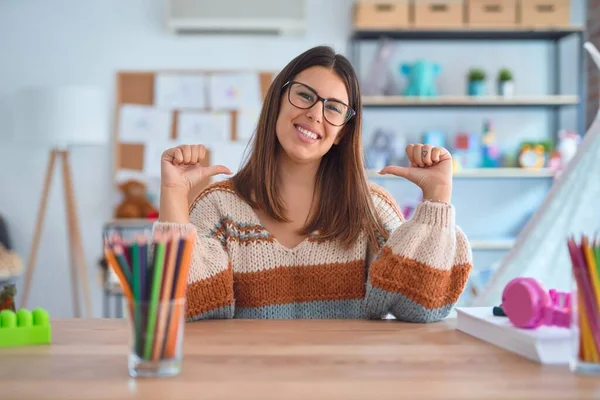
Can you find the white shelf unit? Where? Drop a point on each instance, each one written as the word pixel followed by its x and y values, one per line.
pixel 487 173
pixel 471 101
pixel 531 182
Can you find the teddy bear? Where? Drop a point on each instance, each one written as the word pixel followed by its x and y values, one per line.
pixel 135 203
pixel 11 264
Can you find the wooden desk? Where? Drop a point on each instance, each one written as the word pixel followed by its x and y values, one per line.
pixel 302 359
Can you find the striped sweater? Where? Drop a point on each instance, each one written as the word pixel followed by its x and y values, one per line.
pixel 239 270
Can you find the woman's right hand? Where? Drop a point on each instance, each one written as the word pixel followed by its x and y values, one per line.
pixel 181 167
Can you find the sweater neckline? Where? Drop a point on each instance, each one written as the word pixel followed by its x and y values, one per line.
pixel 272 237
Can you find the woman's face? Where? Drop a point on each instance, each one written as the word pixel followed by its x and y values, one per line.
pixel 304 133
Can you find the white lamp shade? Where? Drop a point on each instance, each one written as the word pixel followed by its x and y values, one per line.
pixel 61 116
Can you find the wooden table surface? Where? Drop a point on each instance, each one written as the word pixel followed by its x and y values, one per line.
pixel 290 359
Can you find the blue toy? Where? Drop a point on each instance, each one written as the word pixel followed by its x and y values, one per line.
pixel 421 78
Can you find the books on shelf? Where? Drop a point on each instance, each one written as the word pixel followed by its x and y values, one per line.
pixel 545 345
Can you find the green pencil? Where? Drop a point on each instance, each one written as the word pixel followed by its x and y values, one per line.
pixel 159 260
pixel 135 276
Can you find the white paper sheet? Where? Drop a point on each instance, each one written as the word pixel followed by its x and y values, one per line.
pixel 152 155
pixel 229 91
pixel 203 127
pixel 247 120
pixel 142 124
pixel 230 155
pixel 173 90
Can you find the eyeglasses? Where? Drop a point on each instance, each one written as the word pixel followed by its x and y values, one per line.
pixel 304 97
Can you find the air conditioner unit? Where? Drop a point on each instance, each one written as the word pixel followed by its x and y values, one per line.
pixel 274 17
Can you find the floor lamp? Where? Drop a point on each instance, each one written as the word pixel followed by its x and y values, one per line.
pixel 60 119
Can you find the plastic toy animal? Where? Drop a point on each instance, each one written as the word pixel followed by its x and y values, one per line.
pixel 421 78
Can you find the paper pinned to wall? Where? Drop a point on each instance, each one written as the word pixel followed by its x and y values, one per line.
pixel 234 91
pixel 173 90
pixel 152 155
pixel 230 155
pixel 247 121
pixel 197 127
pixel 142 124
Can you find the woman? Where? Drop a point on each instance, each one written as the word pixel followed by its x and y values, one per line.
pixel 298 232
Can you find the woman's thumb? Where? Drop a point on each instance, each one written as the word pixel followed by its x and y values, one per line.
pixel 403 172
pixel 216 170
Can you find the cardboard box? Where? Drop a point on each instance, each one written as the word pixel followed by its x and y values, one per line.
pixel 433 14
pixel 545 13
pixel 492 13
pixel 373 14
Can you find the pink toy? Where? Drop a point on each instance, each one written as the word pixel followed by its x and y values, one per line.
pixel 527 305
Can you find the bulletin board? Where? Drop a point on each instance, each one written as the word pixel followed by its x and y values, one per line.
pixel 137 88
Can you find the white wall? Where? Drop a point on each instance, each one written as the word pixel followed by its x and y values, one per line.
pixel 87 42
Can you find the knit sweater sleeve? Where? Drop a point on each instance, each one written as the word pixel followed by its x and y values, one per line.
pixel 210 282
pixel 423 266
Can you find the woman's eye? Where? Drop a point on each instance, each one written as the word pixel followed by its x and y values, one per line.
pixel 305 95
pixel 334 108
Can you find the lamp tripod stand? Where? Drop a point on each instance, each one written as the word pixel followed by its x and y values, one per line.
pixel 76 256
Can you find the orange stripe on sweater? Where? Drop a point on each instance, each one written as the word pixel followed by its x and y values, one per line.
pixel 430 287
pixel 281 285
pixel 210 294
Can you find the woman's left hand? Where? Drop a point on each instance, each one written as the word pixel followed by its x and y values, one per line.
pixel 430 169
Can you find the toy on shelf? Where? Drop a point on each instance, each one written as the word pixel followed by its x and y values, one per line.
pixel 490 155
pixel 421 78
pixel 435 138
pixel 567 146
pixel 25 327
pixel 135 203
pixel 7 297
pixel 380 80
pixel 533 155
pixel 467 151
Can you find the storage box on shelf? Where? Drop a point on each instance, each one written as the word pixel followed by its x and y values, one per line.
pixel 491 13
pixel 373 14
pixel 438 14
pixel 544 13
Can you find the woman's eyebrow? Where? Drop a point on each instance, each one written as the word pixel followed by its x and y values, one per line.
pixel 328 98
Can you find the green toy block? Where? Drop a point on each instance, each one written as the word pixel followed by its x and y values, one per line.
pixel 25 327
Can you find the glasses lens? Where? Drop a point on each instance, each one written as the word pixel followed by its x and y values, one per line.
pixel 335 113
pixel 301 96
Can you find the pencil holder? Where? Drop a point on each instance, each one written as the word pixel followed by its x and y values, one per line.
pixel 156 332
pixel 585 307
pixel 153 272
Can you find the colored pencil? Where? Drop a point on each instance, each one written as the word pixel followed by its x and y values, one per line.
pixel 179 296
pixel 585 262
pixel 159 256
pixel 165 296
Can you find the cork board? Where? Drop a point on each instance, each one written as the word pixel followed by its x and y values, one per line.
pixel 137 88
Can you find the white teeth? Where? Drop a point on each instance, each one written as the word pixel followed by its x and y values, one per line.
pixel 309 134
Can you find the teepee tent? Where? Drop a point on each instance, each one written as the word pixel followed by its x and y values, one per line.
pixel 572 207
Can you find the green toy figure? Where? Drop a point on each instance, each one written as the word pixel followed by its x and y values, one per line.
pixel 421 78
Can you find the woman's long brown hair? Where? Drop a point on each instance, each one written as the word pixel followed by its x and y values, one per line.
pixel 345 206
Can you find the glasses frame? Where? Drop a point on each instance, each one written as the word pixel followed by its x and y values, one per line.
pixel 349 115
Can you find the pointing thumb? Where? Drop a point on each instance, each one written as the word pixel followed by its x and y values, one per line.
pixel 216 170
pixel 403 172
